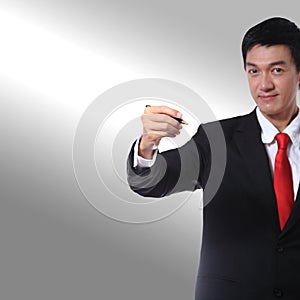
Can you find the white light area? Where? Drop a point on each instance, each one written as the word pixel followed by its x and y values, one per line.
pixel 43 61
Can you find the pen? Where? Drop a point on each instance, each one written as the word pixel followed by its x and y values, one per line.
pixel 181 121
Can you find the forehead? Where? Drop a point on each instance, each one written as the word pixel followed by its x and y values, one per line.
pixel 261 55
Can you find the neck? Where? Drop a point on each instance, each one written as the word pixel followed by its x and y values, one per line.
pixel 281 122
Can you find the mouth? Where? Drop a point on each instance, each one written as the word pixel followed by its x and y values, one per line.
pixel 267 97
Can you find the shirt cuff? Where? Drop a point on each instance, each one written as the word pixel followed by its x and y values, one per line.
pixel 140 161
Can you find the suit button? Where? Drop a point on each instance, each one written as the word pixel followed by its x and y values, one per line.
pixel 278 293
pixel 280 249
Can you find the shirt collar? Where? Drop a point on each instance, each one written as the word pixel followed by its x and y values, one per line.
pixel 268 130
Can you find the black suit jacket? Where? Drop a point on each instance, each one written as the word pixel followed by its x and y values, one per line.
pixel 244 254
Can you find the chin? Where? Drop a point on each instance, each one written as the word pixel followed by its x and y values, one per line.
pixel 267 110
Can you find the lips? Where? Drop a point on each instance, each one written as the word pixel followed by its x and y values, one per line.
pixel 267 97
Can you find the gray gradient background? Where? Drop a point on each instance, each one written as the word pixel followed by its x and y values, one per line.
pixel 54 244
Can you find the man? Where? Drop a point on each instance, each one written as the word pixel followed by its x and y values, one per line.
pixel 251 231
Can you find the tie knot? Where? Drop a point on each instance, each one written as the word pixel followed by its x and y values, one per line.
pixel 282 140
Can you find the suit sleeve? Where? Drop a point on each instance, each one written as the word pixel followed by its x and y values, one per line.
pixel 182 169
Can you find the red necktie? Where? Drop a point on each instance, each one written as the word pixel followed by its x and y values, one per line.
pixel 283 181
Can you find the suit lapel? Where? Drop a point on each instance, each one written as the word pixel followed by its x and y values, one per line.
pixel 248 141
pixel 295 215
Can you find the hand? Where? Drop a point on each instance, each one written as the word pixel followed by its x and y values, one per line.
pixel 157 123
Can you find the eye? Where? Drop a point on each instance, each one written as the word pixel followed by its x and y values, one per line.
pixel 277 70
pixel 252 71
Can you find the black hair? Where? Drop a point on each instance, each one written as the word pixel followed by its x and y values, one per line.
pixel 274 31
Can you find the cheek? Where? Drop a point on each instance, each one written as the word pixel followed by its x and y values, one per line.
pixel 252 86
pixel 289 88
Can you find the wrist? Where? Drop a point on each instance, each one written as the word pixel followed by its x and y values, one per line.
pixel 146 149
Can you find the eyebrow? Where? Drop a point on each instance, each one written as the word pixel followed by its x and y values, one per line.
pixel 275 63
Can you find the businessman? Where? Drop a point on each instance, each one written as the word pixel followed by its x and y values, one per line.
pixel 251 226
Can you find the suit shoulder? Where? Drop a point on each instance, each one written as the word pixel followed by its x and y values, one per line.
pixel 232 123
pixel 227 127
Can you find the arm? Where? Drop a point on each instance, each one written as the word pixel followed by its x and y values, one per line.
pixel 174 170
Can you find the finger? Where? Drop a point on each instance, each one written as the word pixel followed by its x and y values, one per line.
pixel 167 128
pixel 162 129
pixel 154 135
pixel 160 118
pixel 163 110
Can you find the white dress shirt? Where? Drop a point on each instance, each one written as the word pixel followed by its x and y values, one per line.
pixel 268 134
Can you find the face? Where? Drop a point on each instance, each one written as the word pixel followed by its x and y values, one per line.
pixel 273 81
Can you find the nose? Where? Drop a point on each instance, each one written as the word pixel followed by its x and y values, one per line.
pixel 266 83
